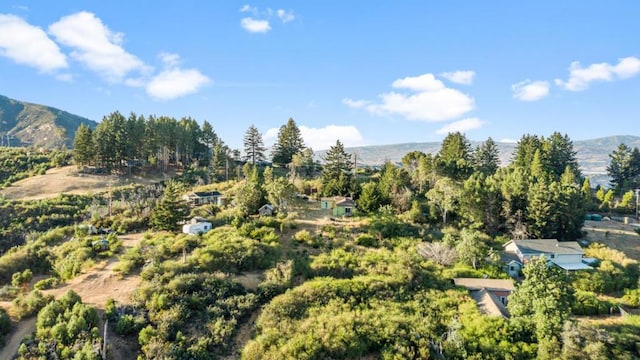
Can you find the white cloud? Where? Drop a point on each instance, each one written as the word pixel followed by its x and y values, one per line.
pixel 248 8
pixel 96 46
pixel 29 45
pixel 173 82
pixel 322 138
pixel 461 126
pixel 255 26
pixel 356 104
pixel 464 77
pixel 285 16
pixel 530 90
pixel 425 82
pixel 580 77
pixel 430 101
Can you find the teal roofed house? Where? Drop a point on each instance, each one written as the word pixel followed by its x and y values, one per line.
pixel 339 205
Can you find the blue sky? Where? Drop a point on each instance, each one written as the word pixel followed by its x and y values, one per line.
pixel 364 72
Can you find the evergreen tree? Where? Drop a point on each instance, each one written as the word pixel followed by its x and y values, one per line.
pixel 543 301
pixel 250 196
pixel 454 159
pixel 253 146
pixel 83 146
pixel 370 198
pixel 624 168
pixel 486 157
pixel 560 155
pixel 337 172
pixel 471 248
pixel 481 203
pixel 525 151
pixel 289 142
pixel 171 210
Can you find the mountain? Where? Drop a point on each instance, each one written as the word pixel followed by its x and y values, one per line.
pixel 27 124
pixel 592 155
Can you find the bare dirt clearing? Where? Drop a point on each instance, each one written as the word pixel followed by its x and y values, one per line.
pixel 101 282
pixel 66 180
pixel 615 235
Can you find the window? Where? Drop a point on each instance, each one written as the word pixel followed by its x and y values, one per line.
pixel 347 210
pixel 503 300
pixel 512 268
pixel 553 256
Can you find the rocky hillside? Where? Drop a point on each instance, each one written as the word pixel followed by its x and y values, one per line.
pixel 28 124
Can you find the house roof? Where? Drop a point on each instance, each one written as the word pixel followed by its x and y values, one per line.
pixel 574 266
pixel 198 219
pixel 547 246
pixel 266 207
pixel 346 202
pixel 489 284
pixel 205 193
pixel 489 304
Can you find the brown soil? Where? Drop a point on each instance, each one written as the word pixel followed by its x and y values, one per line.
pixel 67 180
pixel 94 287
pixel 615 235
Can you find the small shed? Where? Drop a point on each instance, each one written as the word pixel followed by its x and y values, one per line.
pixel 267 210
pixel 198 225
pixel 344 207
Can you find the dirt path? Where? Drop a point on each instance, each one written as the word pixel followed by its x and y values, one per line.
pixel 101 282
pixel 23 328
pixel 94 287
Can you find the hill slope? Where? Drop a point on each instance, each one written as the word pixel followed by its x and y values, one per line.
pixel 37 125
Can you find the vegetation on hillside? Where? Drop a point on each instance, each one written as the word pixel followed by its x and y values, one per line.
pixel 19 163
pixel 378 285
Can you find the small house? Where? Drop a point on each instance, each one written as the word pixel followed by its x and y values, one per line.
pixel 196 198
pixel 344 207
pixel 567 255
pixel 266 210
pixel 339 205
pixel 490 294
pixel 196 226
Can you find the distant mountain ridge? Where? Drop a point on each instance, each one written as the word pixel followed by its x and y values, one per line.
pixel 27 124
pixel 592 154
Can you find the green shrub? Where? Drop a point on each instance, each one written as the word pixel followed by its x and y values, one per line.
pixel 47 283
pixel 367 240
pixel 25 306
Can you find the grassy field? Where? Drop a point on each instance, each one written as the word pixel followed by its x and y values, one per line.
pixel 616 235
pixel 67 180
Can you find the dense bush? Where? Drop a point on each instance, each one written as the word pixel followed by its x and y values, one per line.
pixel 65 329
pixel 26 305
pixel 19 218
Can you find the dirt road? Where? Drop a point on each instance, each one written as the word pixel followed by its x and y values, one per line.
pixel 94 287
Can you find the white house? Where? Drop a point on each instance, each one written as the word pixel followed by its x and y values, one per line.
pixel 567 255
pixel 197 226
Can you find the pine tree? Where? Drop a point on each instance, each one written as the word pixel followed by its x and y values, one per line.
pixel 289 142
pixel 251 194
pixel 83 145
pixel 486 157
pixel 337 173
pixel 454 158
pixel 253 146
pixel 171 209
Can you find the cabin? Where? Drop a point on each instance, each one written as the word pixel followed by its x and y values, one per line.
pixel 197 226
pixel 567 255
pixel 491 295
pixel 339 205
pixel 196 198
pixel 267 210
